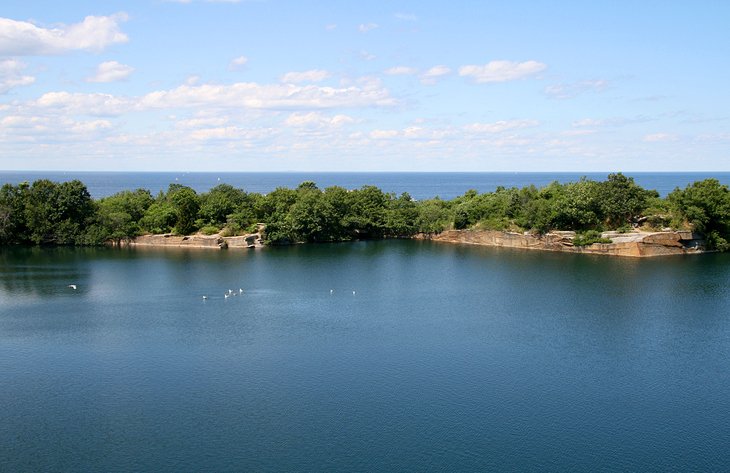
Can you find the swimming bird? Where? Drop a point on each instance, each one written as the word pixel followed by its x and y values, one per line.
pixel 226 295
pixel 72 286
pixel 240 290
pixel 205 298
pixel 353 293
pixel 332 291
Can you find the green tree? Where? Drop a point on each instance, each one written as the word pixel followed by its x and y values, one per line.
pixel 220 202
pixel 401 216
pixel 621 200
pixel 12 214
pixel 58 213
pixel 186 203
pixel 706 206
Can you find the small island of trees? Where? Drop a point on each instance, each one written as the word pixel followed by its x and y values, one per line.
pixel 52 213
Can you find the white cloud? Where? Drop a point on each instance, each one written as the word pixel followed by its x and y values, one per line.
pixel 237 63
pixel 364 28
pixel 193 123
pixel 500 126
pixel 432 75
pixel 314 75
pixel 249 95
pixel 406 16
pixel 383 134
pixel 11 75
pixel 94 33
pixel 192 80
pixel 401 71
pixel 111 71
pixel 206 1
pixel 660 137
pixel 91 104
pixel 501 71
pixel 366 56
pixel 577 132
pixel 317 120
pixel 243 136
pixel 566 91
pixel 255 96
pixel 585 122
pixel 611 122
pixel 91 126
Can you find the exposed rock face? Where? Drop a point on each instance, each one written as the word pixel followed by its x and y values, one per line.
pixel 636 244
pixel 199 241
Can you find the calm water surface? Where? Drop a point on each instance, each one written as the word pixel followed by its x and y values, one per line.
pixel 420 185
pixel 445 358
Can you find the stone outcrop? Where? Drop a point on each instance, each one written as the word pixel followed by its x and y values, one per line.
pixel 252 240
pixel 634 244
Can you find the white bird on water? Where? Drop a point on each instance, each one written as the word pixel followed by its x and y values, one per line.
pixel 353 293
pixel 332 291
pixel 226 295
pixel 205 298
pixel 72 286
pixel 240 290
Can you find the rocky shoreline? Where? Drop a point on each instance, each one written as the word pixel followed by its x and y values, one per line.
pixel 252 240
pixel 632 244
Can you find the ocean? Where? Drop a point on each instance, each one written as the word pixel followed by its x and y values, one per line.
pixel 419 185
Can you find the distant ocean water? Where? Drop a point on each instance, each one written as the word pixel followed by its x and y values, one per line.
pixel 446 185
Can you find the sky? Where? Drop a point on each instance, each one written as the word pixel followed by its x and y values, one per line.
pixel 295 85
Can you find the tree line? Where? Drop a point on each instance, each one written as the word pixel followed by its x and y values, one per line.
pixel 52 213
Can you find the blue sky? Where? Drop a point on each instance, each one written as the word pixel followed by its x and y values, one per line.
pixel 275 85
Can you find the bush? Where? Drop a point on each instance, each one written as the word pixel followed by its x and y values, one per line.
pixel 209 230
pixel 588 238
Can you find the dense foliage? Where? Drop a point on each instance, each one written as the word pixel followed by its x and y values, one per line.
pixel 50 213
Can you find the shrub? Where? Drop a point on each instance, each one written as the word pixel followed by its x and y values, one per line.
pixel 588 238
pixel 209 230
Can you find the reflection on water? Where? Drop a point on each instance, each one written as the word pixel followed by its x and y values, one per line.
pixel 376 356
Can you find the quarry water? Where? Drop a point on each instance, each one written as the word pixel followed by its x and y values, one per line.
pixel 367 356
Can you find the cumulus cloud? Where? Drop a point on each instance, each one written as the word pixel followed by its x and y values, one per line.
pixel 317 120
pixel 94 33
pixel 577 132
pixel 500 126
pixel 111 71
pixel 91 104
pixel 249 95
pixel 367 56
pixel 268 97
pixel 237 63
pixel 660 137
pixel 314 75
pixel 193 123
pixel 406 16
pixel 401 71
pixel 206 1
pixel 567 91
pixel 609 122
pixel 365 27
pixel 501 71
pixel 383 134
pixel 11 75
pixel 242 136
pixel 432 75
